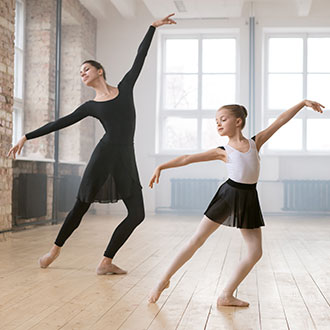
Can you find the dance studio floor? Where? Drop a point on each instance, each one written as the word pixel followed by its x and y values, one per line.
pixel 289 288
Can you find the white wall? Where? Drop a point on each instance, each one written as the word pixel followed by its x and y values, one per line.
pixel 117 42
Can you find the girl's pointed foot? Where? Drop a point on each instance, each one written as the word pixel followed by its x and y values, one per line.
pixel 224 300
pixel 157 291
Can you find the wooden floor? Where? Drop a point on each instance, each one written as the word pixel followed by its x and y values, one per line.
pixel 288 289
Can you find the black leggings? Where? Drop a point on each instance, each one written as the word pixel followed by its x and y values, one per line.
pixel 135 216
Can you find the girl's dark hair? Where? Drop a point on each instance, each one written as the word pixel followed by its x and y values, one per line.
pixel 239 111
pixel 96 65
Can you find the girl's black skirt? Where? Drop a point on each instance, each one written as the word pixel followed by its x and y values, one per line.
pixel 236 205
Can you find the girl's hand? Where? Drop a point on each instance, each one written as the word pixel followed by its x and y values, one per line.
pixel 314 105
pixel 155 177
pixel 165 20
pixel 17 148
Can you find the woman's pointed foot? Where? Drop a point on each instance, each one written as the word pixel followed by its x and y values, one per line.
pixel 224 300
pixel 48 258
pixel 103 269
pixel 157 291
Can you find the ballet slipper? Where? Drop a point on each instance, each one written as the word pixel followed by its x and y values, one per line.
pixel 231 301
pixel 109 269
pixel 47 259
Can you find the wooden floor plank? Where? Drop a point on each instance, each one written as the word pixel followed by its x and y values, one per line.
pixel 288 289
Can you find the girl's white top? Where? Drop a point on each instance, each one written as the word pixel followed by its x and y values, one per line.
pixel 243 167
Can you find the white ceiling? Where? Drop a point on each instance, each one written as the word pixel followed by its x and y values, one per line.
pixel 206 8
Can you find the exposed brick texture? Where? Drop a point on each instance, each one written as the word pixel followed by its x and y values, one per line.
pixel 7 35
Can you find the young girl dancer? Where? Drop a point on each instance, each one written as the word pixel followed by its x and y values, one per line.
pixel 111 173
pixel 236 202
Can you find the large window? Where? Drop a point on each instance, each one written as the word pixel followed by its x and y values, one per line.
pixel 297 67
pixel 18 72
pixel 198 75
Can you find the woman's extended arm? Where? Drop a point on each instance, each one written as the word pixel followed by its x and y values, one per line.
pixel 132 75
pixel 213 154
pixel 80 113
pixel 283 118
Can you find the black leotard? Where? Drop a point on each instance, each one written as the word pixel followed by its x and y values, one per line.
pixel 113 159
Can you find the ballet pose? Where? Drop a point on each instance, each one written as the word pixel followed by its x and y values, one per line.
pixel 111 173
pixel 236 202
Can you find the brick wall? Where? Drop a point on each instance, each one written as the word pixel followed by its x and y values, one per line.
pixel 78 42
pixel 7 35
pixel 76 142
pixel 39 99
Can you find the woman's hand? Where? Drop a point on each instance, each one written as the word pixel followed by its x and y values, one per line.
pixel 155 177
pixel 314 105
pixel 165 20
pixel 17 148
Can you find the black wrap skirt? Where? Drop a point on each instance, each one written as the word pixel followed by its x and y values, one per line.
pixel 110 175
pixel 236 205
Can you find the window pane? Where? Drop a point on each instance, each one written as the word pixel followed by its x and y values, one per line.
pixel 210 136
pixel 19 25
pixel 318 134
pixel 284 90
pixel 285 55
pixel 318 54
pixel 318 88
pixel 288 137
pixel 181 56
pixel 18 74
pixel 179 133
pixel 218 90
pixel 219 55
pixel 180 92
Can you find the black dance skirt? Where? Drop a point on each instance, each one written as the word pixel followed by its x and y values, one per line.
pixel 236 205
pixel 111 174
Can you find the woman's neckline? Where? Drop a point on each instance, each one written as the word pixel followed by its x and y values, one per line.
pixel 109 99
pixel 241 151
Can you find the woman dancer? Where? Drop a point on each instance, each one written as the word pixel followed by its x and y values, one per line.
pixel 236 202
pixel 111 172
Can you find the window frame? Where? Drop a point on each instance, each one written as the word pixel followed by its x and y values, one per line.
pixel 199 113
pixel 18 106
pixel 303 115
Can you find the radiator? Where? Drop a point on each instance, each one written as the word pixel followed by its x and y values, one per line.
pixel 192 194
pixel 307 195
pixel 32 195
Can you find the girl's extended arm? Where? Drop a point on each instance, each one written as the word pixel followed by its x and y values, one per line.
pixel 283 118
pixel 213 154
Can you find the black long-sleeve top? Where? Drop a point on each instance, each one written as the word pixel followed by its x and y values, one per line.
pixel 117 115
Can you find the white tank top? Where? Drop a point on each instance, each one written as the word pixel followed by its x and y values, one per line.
pixel 243 167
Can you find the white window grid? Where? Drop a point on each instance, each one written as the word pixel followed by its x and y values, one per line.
pixel 303 115
pixel 18 109
pixel 199 113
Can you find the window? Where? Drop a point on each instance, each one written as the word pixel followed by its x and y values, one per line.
pixel 297 67
pixel 18 72
pixel 198 75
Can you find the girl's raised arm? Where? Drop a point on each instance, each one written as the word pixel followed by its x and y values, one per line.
pixel 283 118
pixel 213 154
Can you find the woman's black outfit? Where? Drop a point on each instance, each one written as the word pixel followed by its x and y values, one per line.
pixel 111 173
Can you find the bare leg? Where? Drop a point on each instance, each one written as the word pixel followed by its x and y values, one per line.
pixel 49 257
pixel 252 238
pixel 203 231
